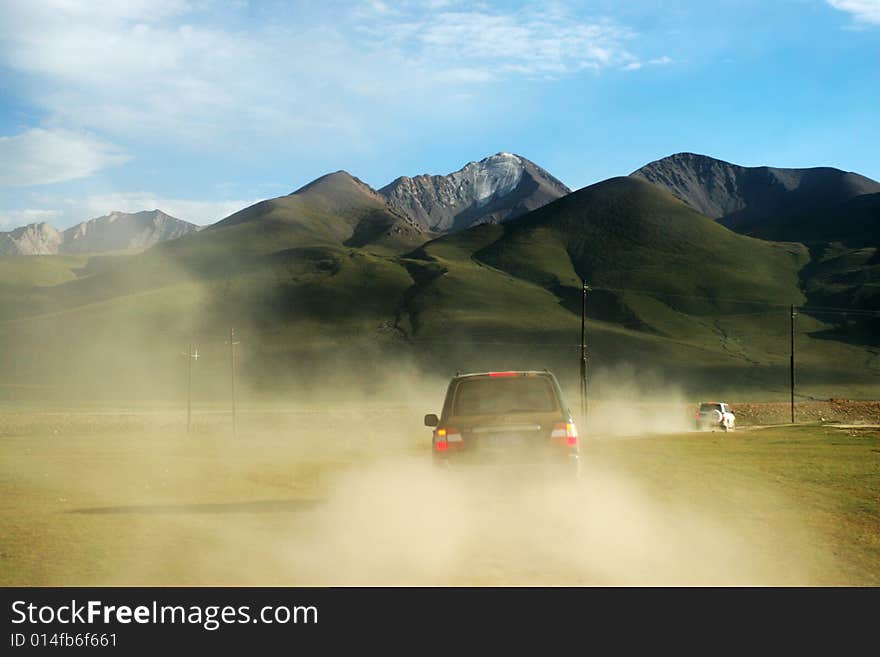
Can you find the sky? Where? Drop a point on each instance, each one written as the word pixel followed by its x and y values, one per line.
pixel 200 108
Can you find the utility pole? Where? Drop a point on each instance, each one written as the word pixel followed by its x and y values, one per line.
pixel 191 355
pixel 232 342
pixel 583 377
pixel 791 363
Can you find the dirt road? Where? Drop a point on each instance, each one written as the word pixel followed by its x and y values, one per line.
pixel 302 501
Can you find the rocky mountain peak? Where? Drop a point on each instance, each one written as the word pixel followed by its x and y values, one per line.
pixel 764 201
pixel 492 190
pixel 33 239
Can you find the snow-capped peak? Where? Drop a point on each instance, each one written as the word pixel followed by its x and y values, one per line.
pixel 492 177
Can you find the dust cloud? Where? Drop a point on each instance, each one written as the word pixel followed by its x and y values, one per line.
pixel 629 401
pixel 400 524
pixel 324 494
pixel 328 480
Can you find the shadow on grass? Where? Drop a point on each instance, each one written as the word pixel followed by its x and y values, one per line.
pixel 256 506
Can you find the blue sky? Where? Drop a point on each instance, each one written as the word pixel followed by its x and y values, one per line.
pixel 200 108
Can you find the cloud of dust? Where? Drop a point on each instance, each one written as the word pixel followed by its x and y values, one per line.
pixel 627 401
pixel 350 497
pixel 404 523
pixel 330 480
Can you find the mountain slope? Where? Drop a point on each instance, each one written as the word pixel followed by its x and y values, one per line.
pixel 335 209
pixel 117 231
pixel 495 189
pixel 761 201
pixel 318 285
pixel 309 232
pixel 855 223
pixel 627 237
pixel 672 292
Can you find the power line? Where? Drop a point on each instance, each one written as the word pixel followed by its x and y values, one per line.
pixel 191 355
pixel 791 365
pixel 583 370
pixel 855 312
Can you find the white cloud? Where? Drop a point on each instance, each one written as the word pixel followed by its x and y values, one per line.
pixel 538 41
pixel 187 77
pixel 657 61
pixel 297 80
pixel 39 157
pixel 865 11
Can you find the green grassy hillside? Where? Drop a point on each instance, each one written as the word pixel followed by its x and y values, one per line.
pixel 25 279
pixel 625 234
pixel 334 209
pixel 303 233
pixel 655 266
pixel 328 285
pixel 671 291
pixel 854 222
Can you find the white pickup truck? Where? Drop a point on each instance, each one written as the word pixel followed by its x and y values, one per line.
pixel 715 415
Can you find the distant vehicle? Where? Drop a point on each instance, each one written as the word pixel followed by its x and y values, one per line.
pixel 505 418
pixel 715 415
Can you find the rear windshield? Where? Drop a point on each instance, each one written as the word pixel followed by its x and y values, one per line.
pixel 709 407
pixel 505 395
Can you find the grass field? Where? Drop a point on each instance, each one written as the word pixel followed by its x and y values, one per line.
pixel 306 497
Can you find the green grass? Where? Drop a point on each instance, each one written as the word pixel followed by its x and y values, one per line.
pixel 39 271
pixel 25 280
pixel 844 277
pixel 806 494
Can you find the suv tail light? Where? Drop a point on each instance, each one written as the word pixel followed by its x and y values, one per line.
pixel 447 438
pixel 564 433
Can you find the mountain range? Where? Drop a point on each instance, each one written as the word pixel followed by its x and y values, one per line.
pixel 495 189
pixel 117 231
pixel 813 205
pixel 337 278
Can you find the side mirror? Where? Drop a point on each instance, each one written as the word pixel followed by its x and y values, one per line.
pixel 431 420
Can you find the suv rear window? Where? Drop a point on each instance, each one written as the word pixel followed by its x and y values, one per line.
pixel 705 408
pixel 519 394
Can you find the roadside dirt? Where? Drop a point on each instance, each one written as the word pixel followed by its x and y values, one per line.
pixel 836 410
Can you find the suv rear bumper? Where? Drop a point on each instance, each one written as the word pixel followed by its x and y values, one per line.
pixel 703 425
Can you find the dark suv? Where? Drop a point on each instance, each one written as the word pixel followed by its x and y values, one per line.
pixel 505 418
